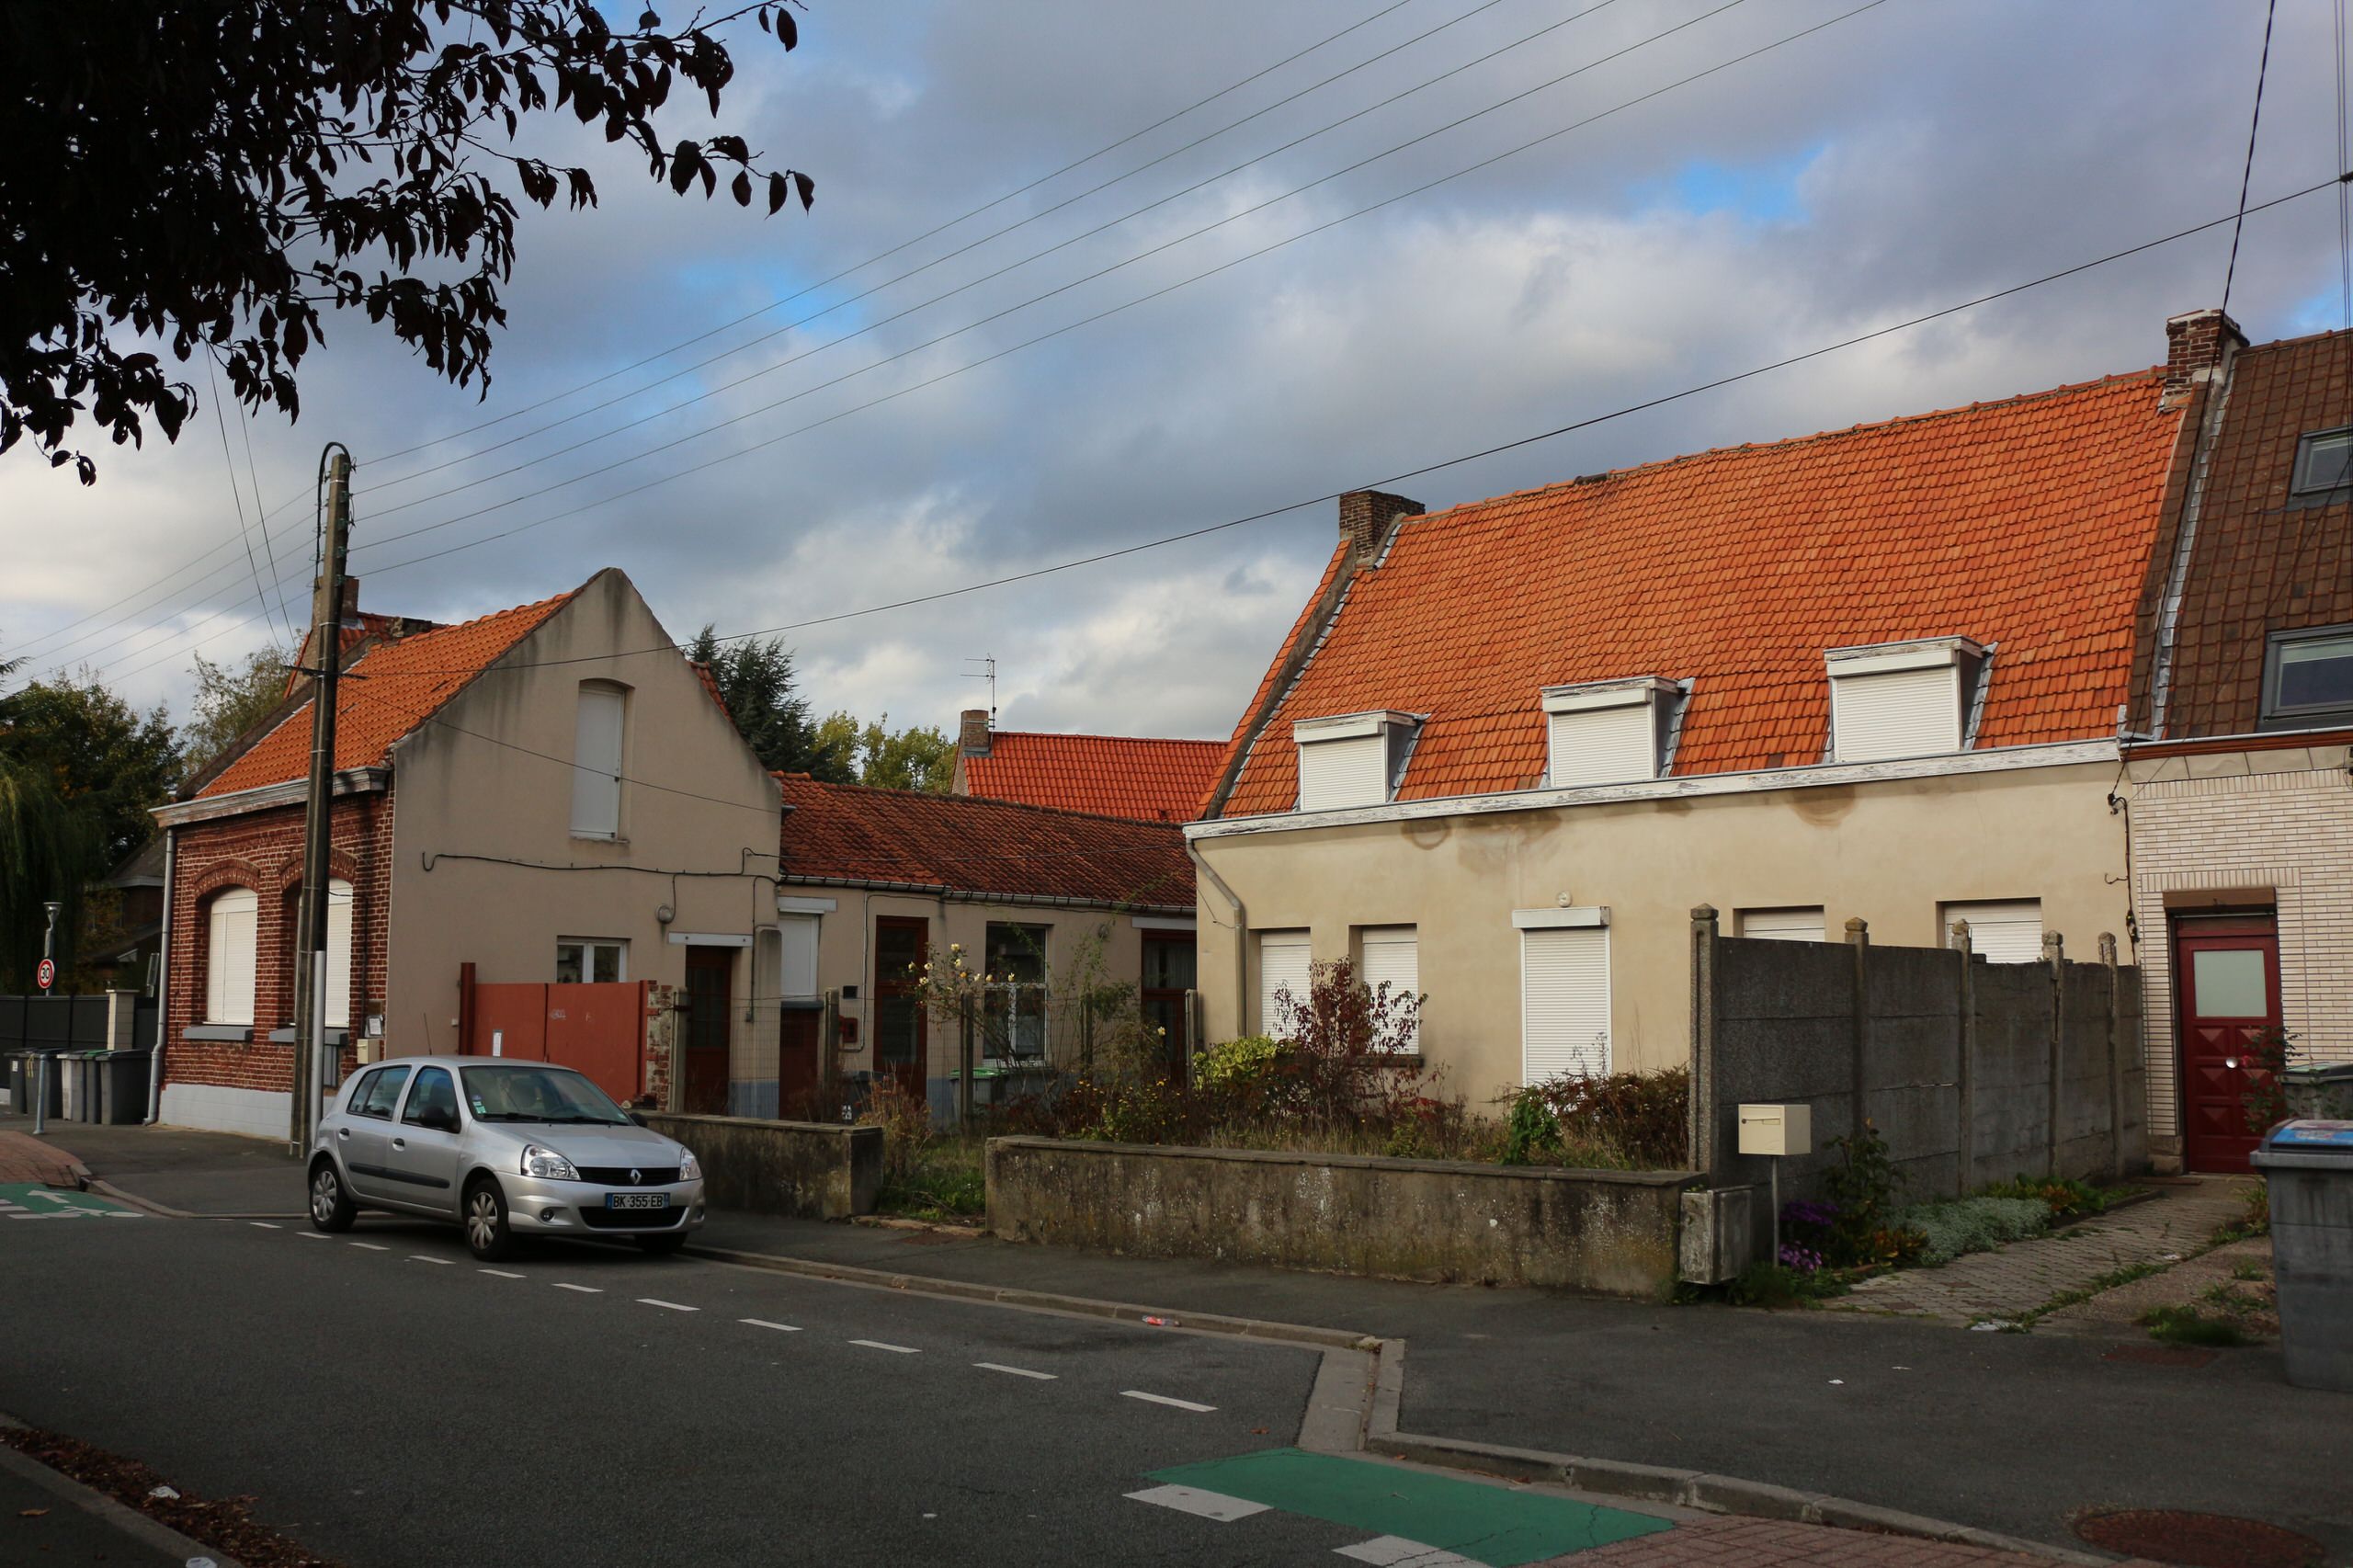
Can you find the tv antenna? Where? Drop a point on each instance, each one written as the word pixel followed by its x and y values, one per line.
pixel 987 672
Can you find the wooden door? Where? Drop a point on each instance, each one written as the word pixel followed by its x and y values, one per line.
pixel 899 946
pixel 2226 982
pixel 710 1012
pixel 1168 975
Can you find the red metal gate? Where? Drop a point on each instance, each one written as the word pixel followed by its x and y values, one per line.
pixel 598 1030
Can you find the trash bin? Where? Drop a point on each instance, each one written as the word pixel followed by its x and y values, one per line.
pixel 122 1086
pixel 86 1085
pixel 63 1070
pixel 12 1079
pixel 2308 1165
pixel 2322 1090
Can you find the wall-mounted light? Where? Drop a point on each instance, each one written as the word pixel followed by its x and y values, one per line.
pixel 664 913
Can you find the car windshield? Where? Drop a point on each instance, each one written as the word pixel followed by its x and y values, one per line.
pixel 524 1093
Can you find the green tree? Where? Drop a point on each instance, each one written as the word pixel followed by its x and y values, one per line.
pixel 755 679
pixel 913 758
pixel 231 699
pixel 48 850
pixel 106 759
pixel 211 177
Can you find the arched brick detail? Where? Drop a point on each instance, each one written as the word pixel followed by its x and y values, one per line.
pixel 341 867
pixel 235 873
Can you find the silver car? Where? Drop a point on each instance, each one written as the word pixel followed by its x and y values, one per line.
pixel 505 1148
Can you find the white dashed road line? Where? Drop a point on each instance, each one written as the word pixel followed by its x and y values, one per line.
pixel 1396 1551
pixel 763 1323
pixel 261 1225
pixel 499 1273
pixel 669 1306
pixel 372 1246
pixel 879 1345
pixel 313 1237
pixel 584 1290
pixel 420 1257
pixel 1193 1500
pixel 1164 1399
pixel 1016 1372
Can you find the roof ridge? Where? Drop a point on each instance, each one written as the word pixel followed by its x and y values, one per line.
pixel 1098 735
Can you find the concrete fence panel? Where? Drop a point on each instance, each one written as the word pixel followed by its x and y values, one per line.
pixel 813 1170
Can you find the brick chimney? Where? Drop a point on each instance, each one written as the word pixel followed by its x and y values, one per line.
pixel 1368 516
pixel 2198 347
pixel 348 610
pixel 972 732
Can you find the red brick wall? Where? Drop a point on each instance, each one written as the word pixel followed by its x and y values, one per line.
pixel 263 851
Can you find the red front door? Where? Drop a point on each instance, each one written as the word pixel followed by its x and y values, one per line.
pixel 709 1012
pixel 2226 976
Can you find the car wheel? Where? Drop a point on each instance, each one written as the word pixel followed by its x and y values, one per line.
pixel 663 1245
pixel 331 1207
pixel 487 1233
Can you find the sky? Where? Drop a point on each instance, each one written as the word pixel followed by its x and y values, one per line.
pixel 1310 285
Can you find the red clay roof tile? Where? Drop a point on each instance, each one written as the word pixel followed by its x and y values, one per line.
pixel 1118 776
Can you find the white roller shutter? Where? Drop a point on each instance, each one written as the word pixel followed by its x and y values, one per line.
pixel 1563 1001
pixel 1898 713
pixel 1605 746
pixel 2005 932
pixel 1284 960
pixel 1390 955
pixel 338 954
pixel 797 955
pixel 229 957
pixel 1783 924
pixel 1349 772
pixel 596 762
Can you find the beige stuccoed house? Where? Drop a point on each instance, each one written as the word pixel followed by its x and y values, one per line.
pixel 1875 674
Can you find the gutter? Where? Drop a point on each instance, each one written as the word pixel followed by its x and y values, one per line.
pixel 2264 740
pixel 163 992
pixel 350 781
pixel 1241 937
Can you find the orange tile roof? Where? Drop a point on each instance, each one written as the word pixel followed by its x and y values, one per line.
pixel 851 833
pixel 408 681
pixel 1118 775
pixel 2026 523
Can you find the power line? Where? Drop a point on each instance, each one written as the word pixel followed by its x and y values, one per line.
pixel 252 472
pixel 1085 321
pixel 236 497
pixel 2247 175
pixel 1558 430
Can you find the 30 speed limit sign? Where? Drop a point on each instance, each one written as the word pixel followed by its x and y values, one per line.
pixel 45 975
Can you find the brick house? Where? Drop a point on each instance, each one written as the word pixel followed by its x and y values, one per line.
pixel 2236 792
pixel 1875 674
pixel 1118 775
pixel 875 882
pixel 542 797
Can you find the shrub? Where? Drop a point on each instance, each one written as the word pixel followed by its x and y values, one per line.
pixel 1862 1187
pixel 904 1117
pixel 1974 1224
pixel 2066 1197
pixel 1637 1120
pixel 1236 1064
pixel 1774 1285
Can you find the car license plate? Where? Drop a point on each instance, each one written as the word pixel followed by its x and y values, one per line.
pixel 637 1200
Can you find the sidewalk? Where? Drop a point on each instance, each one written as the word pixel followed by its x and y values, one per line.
pixel 196 1173
pixel 2025 1276
pixel 24 1158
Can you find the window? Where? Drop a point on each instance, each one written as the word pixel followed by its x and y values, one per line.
pixel 433 1103
pixel 2003 932
pixel 1283 965
pixel 1386 955
pixel 229 956
pixel 378 1093
pixel 1355 759
pixel 2308 679
pixel 590 961
pixel 1783 924
pixel 597 736
pixel 1608 731
pixel 2323 462
pixel 1564 992
pixel 796 974
pixel 1893 700
pixel 1013 997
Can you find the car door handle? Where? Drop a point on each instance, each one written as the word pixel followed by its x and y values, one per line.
pixel 400 1144
pixel 343 1131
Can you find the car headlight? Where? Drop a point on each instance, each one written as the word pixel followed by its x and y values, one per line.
pixel 689 1168
pixel 547 1164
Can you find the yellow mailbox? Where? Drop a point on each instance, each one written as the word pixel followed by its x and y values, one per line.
pixel 1777 1129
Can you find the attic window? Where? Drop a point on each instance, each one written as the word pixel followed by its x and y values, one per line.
pixel 1355 759
pixel 1893 700
pixel 1611 732
pixel 2308 679
pixel 2323 462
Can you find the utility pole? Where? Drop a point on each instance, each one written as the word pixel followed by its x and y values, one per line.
pixel 48 981
pixel 311 933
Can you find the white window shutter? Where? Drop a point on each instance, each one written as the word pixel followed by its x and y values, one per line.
pixel 338 954
pixel 596 762
pixel 1349 772
pixel 1563 1001
pixel 1896 713
pixel 1605 746
pixel 798 966
pixel 230 955
pixel 1784 925
pixel 1390 955
pixel 1284 962
pixel 2006 932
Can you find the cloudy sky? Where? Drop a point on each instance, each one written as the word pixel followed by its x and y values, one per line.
pixel 864 436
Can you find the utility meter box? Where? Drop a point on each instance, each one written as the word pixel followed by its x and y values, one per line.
pixel 1777 1129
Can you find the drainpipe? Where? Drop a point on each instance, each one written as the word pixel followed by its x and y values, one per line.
pixel 163 990
pixel 1241 938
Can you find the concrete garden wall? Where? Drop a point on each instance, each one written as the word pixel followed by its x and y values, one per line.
pixel 813 1170
pixel 1430 1220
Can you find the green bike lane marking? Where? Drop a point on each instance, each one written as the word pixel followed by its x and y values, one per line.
pixel 1486 1524
pixel 29 1200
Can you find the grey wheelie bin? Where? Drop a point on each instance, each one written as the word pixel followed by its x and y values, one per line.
pixel 2308 1165
pixel 122 1086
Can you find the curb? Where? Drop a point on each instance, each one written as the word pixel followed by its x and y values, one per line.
pixel 90 1500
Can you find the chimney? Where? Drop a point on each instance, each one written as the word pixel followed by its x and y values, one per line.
pixel 2198 347
pixel 1368 516
pixel 973 733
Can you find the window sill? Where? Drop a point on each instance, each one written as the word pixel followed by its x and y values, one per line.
pixel 233 1034
pixel 337 1037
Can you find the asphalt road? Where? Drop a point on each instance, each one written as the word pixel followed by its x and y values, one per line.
pixel 390 1402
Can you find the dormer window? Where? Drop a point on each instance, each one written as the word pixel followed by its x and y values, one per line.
pixel 1611 732
pixel 1894 700
pixel 2308 679
pixel 2323 462
pixel 1355 759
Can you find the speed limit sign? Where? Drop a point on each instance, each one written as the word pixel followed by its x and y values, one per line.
pixel 45 975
